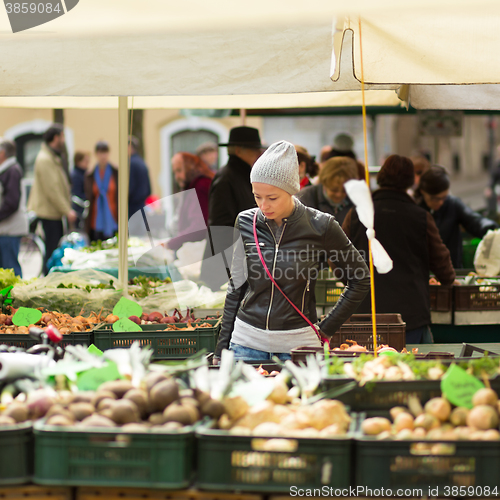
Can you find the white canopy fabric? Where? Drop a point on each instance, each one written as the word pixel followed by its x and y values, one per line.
pixel 256 101
pixel 452 45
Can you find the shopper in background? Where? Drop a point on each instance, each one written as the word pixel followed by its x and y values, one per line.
pixel 343 146
pixel 308 168
pixel 101 189
pixel 208 152
pixel 50 197
pixel 329 195
pixel 258 321
pixel 421 164
pixel 411 238
pixel 81 160
pixel 13 217
pixel 449 212
pixel 230 194
pixel 139 187
pixel 492 191
pixel 191 174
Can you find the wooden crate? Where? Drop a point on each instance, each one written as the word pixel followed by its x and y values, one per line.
pixel 36 493
pixel 89 493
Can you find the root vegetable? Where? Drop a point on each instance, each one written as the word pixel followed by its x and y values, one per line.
pixel 97 421
pixel 111 318
pixel 60 420
pixel 483 417
pixel 375 425
pixel 141 400
pixel 81 410
pixel 491 435
pixel 235 407
pixel 18 411
pixel 439 408
pixel 167 319
pixel 176 412
pixel 394 412
pixel 403 421
pixel 458 416
pixel 119 387
pixel 163 393
pixel 6 420
pixel 125 411
pixel 485 397
pixel 155 317
pixel 135 319
pixel 426 421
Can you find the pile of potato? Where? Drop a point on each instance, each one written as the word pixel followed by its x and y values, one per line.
pixel 157 404
pixel 283 415
pixel 438 421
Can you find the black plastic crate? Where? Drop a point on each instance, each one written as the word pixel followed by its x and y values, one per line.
pixel 422 464
pixel 16 453
pixel 166 344
pixel 239 463
pixel 24 341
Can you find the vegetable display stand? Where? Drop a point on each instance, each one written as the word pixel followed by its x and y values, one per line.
pixel 391 330
pixel 441 300
pixel 477 304
pixel 384 395
pixel 166 344
pixel 36 493
pixel 470 465
pixel 25 341
pixel 250 463
pixel 89 493
pixel 16 455
pixel 105 457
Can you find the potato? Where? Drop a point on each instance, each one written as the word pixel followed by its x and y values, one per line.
pixel 458 416
pixel 485 397
pixel 375 425
pixel 403 421
pixel 439 408
pixel 394 412
pixel 426 421
pixel 483 417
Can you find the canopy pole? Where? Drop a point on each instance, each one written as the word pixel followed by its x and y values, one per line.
pixel 367 177
pixel 123 180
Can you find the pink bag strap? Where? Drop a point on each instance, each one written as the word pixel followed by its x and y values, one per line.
pixel 322 339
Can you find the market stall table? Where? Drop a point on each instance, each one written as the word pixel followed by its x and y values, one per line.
pixel 456 349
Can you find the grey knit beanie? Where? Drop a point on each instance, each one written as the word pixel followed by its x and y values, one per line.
pixel 278 166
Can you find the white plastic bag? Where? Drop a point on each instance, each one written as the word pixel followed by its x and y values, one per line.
pixel 487 257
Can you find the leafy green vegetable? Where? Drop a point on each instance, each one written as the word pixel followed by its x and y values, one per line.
pixel 8 278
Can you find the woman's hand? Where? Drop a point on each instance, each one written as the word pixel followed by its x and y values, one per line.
pixel 215 361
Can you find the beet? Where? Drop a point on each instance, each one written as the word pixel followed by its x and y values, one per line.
pixel 167 319
pixel 8 321
pixel 155 317
pixel 135 319
pixel 145 317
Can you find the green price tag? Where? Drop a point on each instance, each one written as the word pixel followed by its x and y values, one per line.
pixel 92 349
pixel 25 316
pixel 90 380
pixel 125 325
pixel 388 353
pixel 126 307
pixel 6 294
pixel 458 386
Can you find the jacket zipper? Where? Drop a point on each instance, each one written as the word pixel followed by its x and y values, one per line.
pixel 272 274
pixel 306 289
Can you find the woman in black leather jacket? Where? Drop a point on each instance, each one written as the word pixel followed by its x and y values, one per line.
pixel 294 241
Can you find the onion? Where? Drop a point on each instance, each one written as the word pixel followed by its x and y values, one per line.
pixel 111 318
pixel 439 408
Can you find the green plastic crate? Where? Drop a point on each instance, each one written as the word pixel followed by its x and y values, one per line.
pixel 25 341
pixel 229 462
pixel 166 344
pixel 104 457
pixel 16 454
pixel 327 292
pixel 411 464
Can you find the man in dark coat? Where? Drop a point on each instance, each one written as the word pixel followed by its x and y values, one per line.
pixel 139 185
pixel 230 194
pixel 411 238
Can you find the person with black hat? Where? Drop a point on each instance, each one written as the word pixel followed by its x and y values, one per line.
pixel 411 238
pixel 230 194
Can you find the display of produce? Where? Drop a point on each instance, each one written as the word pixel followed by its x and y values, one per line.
pixel 439 421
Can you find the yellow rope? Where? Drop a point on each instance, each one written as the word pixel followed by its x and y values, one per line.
pixel 367 177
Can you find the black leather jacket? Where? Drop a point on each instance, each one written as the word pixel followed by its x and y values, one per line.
pixel 309 238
